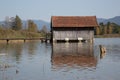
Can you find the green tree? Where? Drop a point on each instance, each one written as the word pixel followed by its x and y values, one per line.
pixel 32 27
pixel 105 30
pixel 109 28
pixel 101 25
pixel 107 25
pixel 115 28
pixel 97 30
pixel 17 24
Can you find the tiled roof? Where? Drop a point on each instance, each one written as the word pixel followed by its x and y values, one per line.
pixel 74 21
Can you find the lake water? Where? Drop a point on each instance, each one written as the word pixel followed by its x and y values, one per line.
pixel 34 60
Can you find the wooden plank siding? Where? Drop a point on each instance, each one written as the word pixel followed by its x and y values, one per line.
pixel 73 34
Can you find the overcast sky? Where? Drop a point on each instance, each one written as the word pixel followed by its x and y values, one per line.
pixel 44 9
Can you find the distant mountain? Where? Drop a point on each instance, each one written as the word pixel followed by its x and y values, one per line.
pixel 112 20
pixel 41 23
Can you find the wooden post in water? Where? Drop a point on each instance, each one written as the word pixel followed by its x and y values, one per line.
pixel 102 51
pixel 7 41
pixel 24 40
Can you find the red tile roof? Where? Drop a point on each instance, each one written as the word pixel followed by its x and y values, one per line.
pixel 74 21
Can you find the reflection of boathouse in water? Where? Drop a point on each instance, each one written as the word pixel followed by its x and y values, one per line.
pixel 71 54
pixel 73 28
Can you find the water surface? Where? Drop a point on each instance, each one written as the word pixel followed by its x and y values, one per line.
pixel 34 60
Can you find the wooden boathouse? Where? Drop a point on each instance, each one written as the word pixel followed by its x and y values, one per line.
pixel 73 28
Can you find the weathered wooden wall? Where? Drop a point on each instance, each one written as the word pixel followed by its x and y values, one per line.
pixel 73 34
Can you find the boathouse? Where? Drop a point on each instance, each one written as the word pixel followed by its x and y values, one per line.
pixel 73 28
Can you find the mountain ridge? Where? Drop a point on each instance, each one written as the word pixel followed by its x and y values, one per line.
pixel 115 19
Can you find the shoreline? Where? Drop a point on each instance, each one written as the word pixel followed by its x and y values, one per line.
pixel 108 36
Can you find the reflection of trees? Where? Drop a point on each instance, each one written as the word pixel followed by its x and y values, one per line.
pixel 11 52
pixel 15 49
pixel 73 54
pixel 2 47
pixel 32 47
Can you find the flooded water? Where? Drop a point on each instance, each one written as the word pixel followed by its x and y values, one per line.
pixel 34 60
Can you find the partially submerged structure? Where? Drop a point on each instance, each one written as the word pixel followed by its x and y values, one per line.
pixel 73 28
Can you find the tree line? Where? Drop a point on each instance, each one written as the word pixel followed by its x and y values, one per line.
pixel 13 27
pixel 16 24
pixel 108 28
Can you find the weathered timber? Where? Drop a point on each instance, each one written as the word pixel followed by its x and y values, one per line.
pixel 102 51
pixel 74 34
